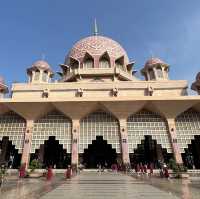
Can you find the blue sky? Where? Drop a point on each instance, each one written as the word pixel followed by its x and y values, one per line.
pixel 167 29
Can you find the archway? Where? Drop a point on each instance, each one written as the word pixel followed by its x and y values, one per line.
pixel 191 157
pixel 152 129
pixel 8 154
pixel 149 151
pixel 99 152
pixel 96 124
pixel 188 136
pixel 53 154
pixel 53 125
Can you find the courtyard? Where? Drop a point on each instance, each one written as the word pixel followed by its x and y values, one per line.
pixel 91 184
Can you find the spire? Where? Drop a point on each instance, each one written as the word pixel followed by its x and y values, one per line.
pixel 95 27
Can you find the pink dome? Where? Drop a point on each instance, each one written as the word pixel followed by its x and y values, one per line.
pixel 154 61
pixel 97 45
pixel 41 64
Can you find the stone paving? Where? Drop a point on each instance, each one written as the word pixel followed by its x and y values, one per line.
pixel 92 185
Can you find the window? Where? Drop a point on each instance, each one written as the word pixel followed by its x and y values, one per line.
pixel 119 63
pixel 37 75
pixel 159 72
pixel 104 63
pixel 151 74
pixel 44 76
pixel 88 63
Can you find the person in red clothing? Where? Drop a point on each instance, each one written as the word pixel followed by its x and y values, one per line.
pixel 22 170
pixel 49 173
pixel 166 171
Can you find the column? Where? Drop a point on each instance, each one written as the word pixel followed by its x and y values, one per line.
pixel 75 136
pixel 124 141
pixel 173 139
pixel 27 143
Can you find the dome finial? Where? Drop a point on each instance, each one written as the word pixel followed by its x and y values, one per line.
pixel 95 27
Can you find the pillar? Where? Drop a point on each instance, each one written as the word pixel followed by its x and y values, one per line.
pixel 75 136
pixel 173 139
pixel 124 141
pixel 27 143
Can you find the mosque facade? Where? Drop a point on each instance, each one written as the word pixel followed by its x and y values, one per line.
pixel 98 111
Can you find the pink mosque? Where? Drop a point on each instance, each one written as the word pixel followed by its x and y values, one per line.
pixel 98 111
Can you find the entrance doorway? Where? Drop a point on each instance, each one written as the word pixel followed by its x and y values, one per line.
pixel 54 155
pixel 149 152
pixel 99 152
pixel 8 154
pixel 192 155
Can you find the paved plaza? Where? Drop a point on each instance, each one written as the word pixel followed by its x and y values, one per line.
pixel 105 185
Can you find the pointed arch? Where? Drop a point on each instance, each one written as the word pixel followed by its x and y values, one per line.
pixel 99 123
pixel 187 127
pixel 104 61
pixel 88 61
pixel 74 63
pixel 13 126
pixel 54 123
pixel 119 63
pixel 144 123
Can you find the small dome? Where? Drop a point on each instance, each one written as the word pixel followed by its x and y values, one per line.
pixel 97 46
pixel 41 64
pixel 154 61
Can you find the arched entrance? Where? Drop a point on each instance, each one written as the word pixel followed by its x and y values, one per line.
pixel 148 137
pixel 99 152
pixel 8 154
pixel 12 129
pixel 52 135
pixel 191 157
pixel 188 137
pixel 54 155
pixel 150 152
pixel 96 124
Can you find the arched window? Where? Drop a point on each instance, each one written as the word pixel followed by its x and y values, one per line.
pixel 37 75
pixel 44 76
pixel 74 63
pixel 88 63
pixel 104 61
pixel 159 72
pixel 119 63
pixel 151 74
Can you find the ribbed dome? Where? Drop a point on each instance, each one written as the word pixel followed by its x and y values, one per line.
pixel 97 45
pixel 154 61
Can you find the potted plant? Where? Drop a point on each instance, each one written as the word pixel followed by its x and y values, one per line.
pixel 179 170
pixel 35 164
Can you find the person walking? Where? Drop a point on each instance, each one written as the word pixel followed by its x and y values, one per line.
pixel 49 173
